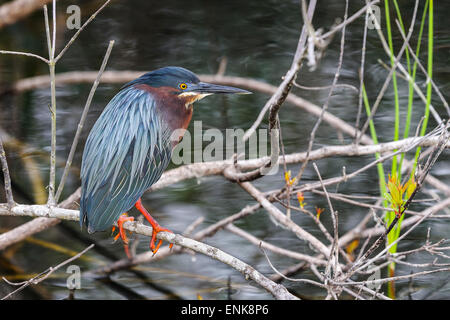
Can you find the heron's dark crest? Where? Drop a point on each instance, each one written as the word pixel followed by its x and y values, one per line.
pixel 165 77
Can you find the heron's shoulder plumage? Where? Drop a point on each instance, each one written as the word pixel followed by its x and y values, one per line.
pixel 126 152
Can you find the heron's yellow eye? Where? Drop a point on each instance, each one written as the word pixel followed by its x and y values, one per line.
pixel 183 86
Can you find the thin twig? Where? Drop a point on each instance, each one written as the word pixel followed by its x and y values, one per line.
pixel 6 176
pixel 385 280
pixel 274 103
pixel 334 245
pixel 24 54
pixel 321 285
pixel 52 64
pixel 47 31
pixel 45 274
pixel 361 72
pixel 273 248
pixel 349 20
pixel 52 57
pixel 339 85
pixel 282 219
pixel 82 120
pixel 75 36
pixel 327 101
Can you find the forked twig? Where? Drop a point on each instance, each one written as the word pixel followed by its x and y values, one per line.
pixel 43 275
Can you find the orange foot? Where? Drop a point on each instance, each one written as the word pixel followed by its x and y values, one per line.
pixel 156 227
pixel 122 234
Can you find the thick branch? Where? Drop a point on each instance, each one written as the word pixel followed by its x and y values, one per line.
pixel 278 291
pixel 13 11
pixel 121 77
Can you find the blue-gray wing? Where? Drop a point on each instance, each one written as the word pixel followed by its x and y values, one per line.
pixel 126 152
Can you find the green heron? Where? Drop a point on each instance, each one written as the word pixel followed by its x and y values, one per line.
pixel 131 145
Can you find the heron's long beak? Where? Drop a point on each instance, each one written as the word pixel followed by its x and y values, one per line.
pixel 209 88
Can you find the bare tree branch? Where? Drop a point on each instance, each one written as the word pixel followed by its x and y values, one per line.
pixel 13 11
pixel 278 291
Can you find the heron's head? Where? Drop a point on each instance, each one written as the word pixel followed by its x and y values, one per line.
pixel 184 84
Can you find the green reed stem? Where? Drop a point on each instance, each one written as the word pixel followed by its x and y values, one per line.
pixel 394 83
pixel 393 236
pixel 430 74
pixel 373 134
pixel 413 76
pixel 410 92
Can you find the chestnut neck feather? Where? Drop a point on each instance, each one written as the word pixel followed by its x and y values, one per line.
pixel 170 106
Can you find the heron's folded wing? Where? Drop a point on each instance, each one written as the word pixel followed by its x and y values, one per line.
pixel 126 152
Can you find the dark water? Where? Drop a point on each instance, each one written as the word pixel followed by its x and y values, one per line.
pixel 258 39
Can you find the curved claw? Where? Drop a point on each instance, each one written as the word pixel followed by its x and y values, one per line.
pixel 156 230
pixel 122 233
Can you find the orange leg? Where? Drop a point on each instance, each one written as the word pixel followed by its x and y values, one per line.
pixel 122 234
pixel 156 227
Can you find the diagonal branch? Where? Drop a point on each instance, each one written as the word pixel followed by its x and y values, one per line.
pixel 45 274
pixel 277 290
pixel 282 91
pixel 75 36
pixel 82 120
